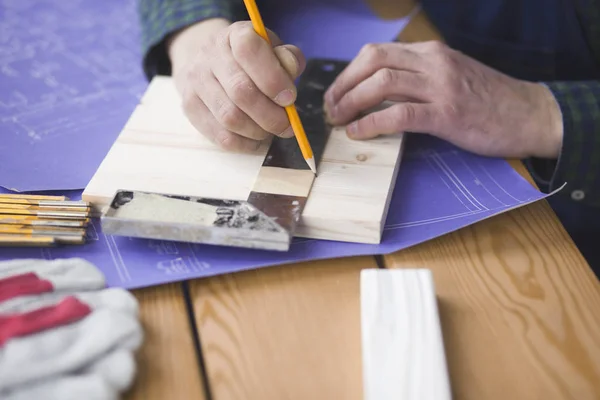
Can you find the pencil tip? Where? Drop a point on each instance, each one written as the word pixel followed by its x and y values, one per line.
pixel 312 165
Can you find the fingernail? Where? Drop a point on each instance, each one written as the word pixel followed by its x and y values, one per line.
pixel 326 111
pixel 328 97
pixel 332 112
pixel 288 133
pixel 285 98
pixel 352 130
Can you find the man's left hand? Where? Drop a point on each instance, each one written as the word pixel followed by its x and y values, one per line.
pixel 442 92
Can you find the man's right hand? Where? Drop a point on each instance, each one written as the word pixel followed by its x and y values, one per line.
pixel 234 85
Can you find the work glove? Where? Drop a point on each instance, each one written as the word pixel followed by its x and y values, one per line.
pixel 63 335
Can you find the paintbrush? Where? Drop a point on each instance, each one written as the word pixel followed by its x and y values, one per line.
pixel 291 111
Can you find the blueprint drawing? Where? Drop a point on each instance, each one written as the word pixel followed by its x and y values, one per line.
pixel 70 76
pixel 439 189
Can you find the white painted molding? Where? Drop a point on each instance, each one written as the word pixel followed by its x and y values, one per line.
pixel 402 344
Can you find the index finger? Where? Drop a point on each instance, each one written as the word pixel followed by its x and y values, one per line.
pixel 370 59
pixel 258 59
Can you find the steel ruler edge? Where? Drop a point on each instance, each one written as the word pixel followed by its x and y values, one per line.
pixel 268 218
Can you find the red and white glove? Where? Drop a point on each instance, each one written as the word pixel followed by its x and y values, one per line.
pixel 63 335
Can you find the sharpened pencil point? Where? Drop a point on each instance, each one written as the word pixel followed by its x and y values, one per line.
pixel 312 165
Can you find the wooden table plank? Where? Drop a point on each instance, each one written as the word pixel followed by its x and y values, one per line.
pixel 519 308
pixel 286 332
pixel 167 366
pixel 518 303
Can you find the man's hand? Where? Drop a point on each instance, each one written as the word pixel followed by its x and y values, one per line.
pixel 442 92
pixel 233 83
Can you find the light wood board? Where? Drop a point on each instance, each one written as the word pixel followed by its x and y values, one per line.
pixel 160 151
pixel 402 345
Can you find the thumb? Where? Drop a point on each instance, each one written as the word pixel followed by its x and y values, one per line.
pixel 291 58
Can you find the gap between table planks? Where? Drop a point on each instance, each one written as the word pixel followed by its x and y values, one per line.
pixel 518 302
pixel 167 366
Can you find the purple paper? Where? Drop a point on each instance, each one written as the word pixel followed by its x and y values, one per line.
pixel 70 76
pixel 335 29
pixel 70 73
pixel 439 190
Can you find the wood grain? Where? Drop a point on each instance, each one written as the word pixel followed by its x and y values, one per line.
pixel 287 332
pixel 402 346
pixel 160 151
pixel 518 303
pixel 291 182
pixel 387 9
pixel 167 366
pixel 519 308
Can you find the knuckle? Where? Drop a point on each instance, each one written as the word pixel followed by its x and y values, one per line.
pixel 192 74
pixel 242 89
pixel 374 52
pixel 407 115
pixel 227 140
pixel 277 125
pixel 436 46
pixel 451 113
pixel 274 84
pixel 189 101
pixel 245 43
pixel 371 120
pixel 230 116
pixel 385 76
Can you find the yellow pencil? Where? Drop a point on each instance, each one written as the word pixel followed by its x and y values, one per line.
pixel 291 111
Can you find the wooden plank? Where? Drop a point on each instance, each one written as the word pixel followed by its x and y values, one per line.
pixel 392 9
pixel 160 151
pixel 288 332
pixel 519 308
pixel 402 344
pixel 518 302
pixel 167 366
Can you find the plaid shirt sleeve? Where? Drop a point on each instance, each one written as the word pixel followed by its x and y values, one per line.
pixel 159 18
pixel 578 164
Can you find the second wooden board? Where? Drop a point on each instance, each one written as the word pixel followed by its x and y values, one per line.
pixel 160 151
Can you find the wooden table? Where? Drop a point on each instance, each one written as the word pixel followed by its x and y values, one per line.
pixel 519 306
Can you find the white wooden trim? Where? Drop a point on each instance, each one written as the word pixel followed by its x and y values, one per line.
pixel 402 345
